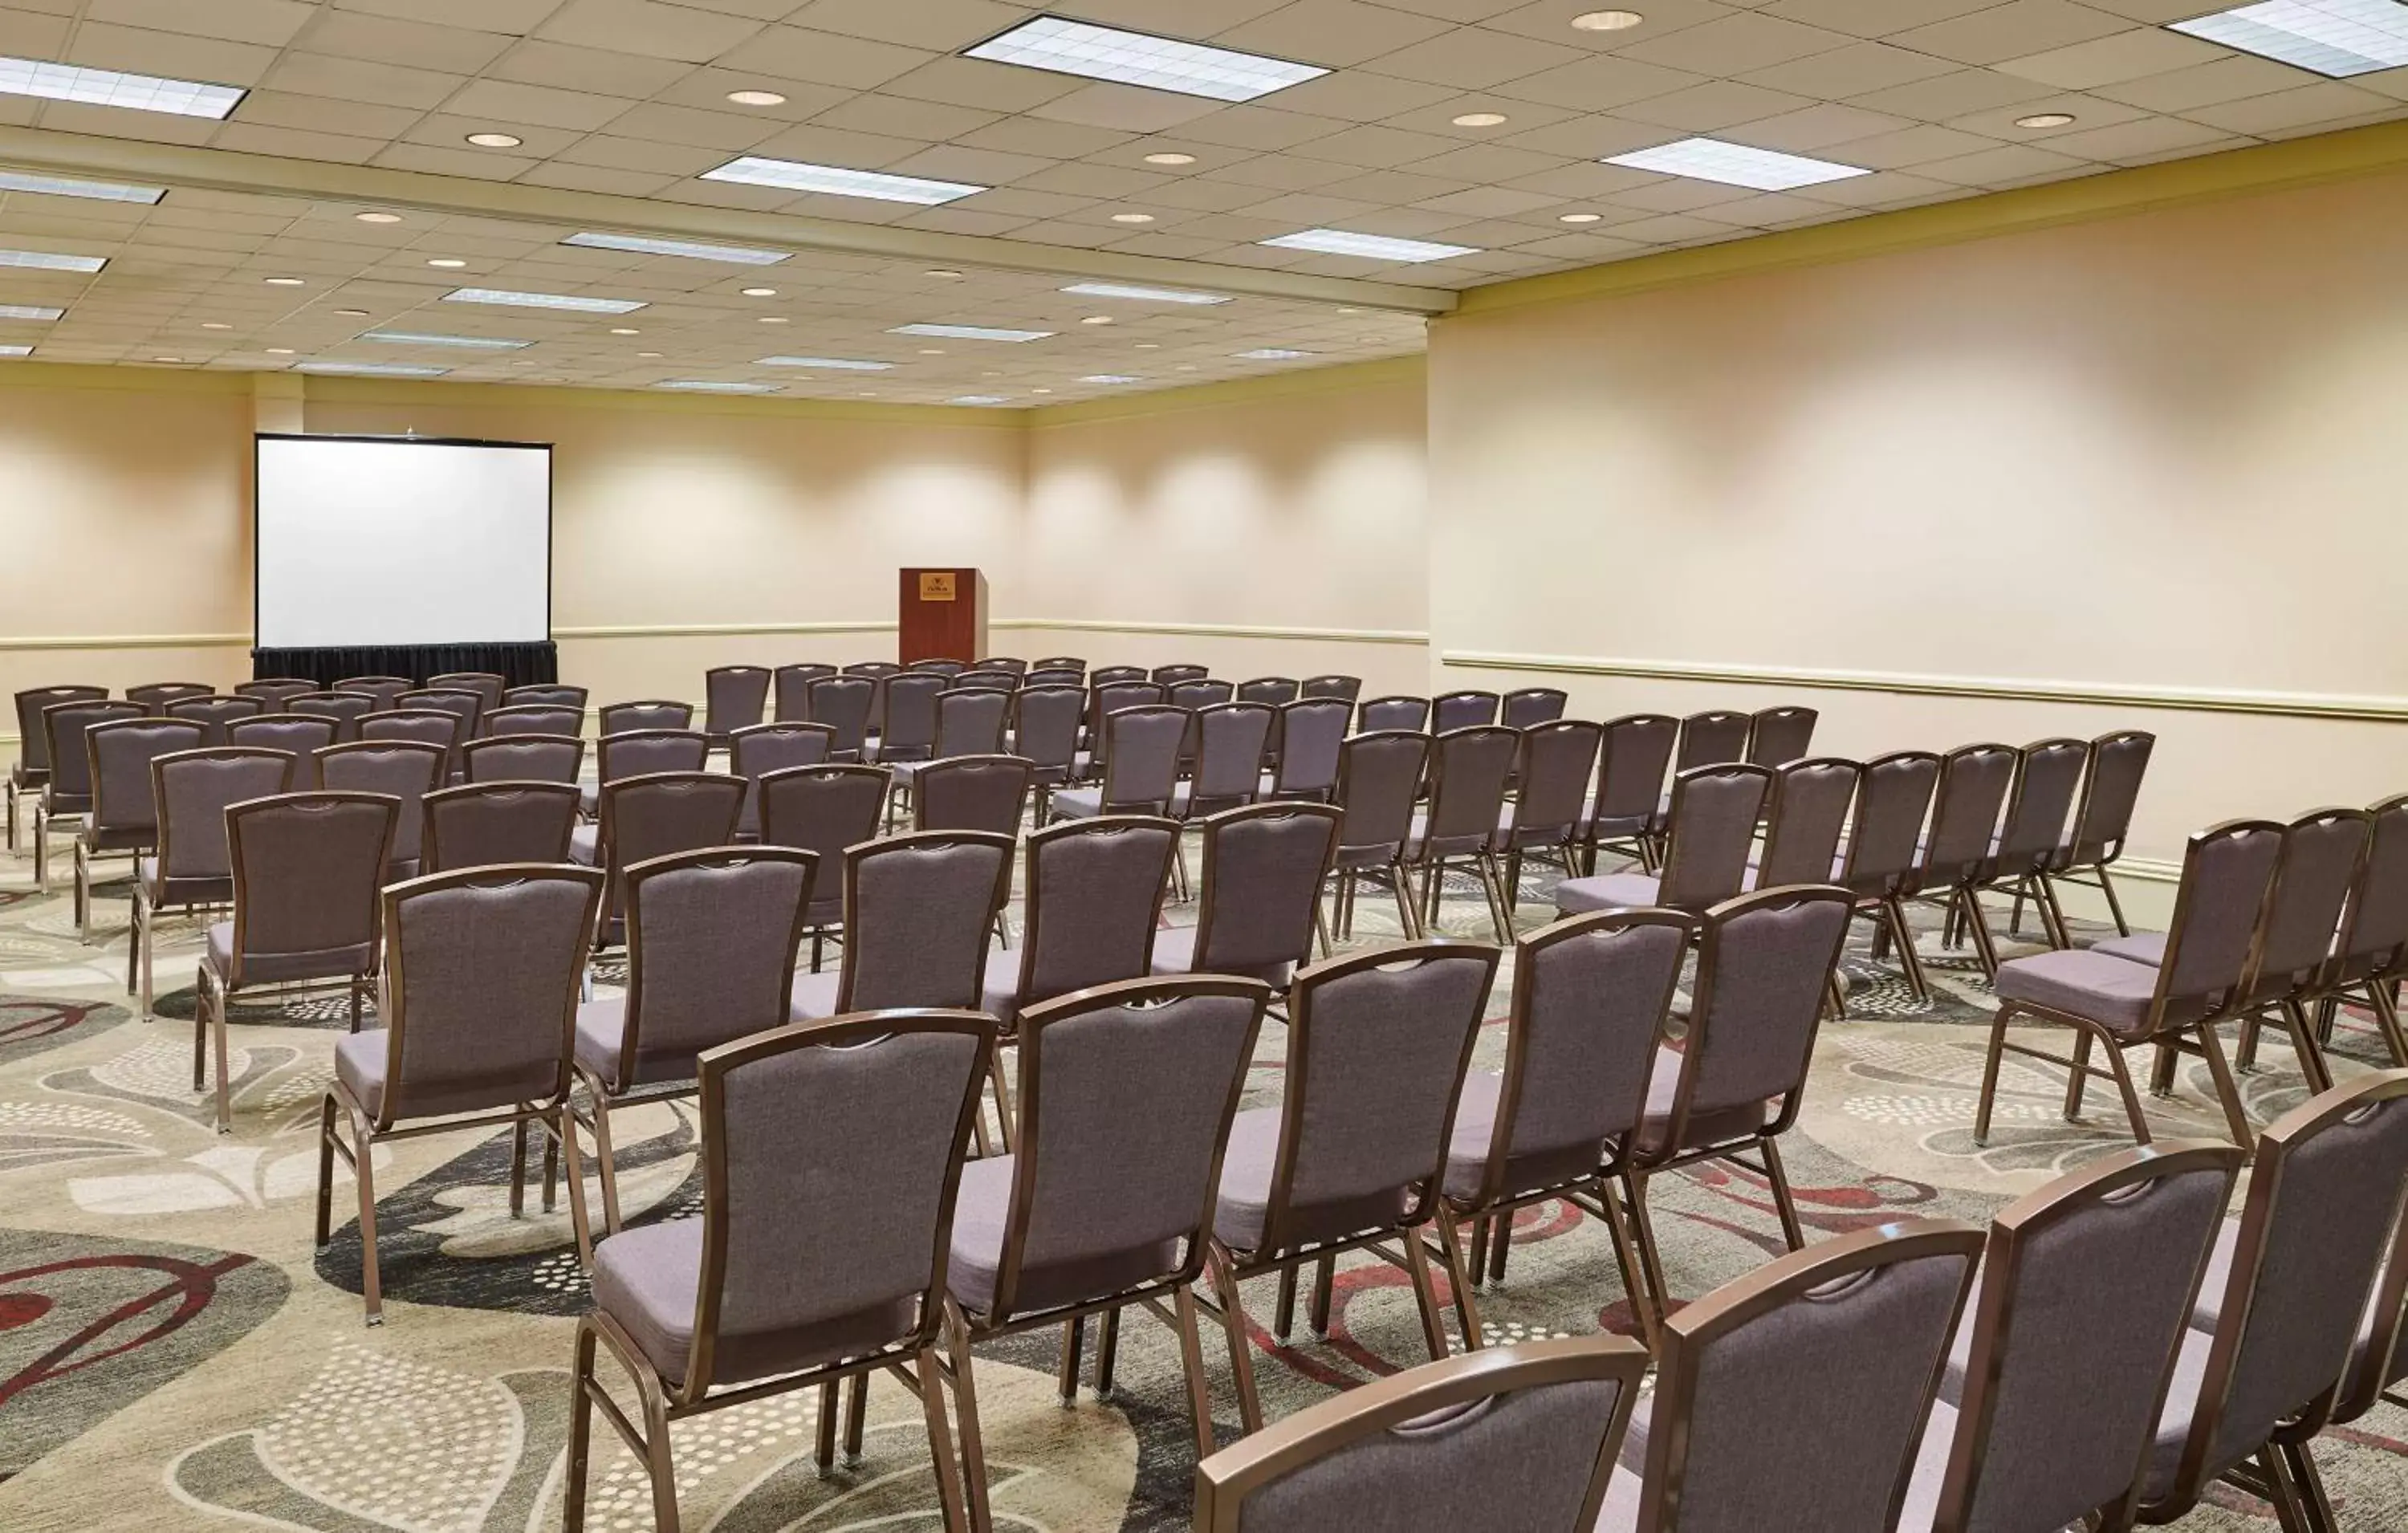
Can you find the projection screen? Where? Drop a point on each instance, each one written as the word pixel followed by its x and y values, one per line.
pixel 397 540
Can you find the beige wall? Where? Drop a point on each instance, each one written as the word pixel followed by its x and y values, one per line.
pixel 2157 453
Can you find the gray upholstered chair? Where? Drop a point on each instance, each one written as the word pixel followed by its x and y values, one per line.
pixel 846 704
pixel 2378 1358
pixel 1468 771
pixel 1173 675
pixel 1270 691
pixel 2061 1358
pixel 823 809
pixel 191 868
pixel 488 687
pixel 1260 899
pixel 346 709
pixel 635 753
pixel 1708 834
pixel 1379 776
pixel 1723 1444
pixel 712 937
pixel 1974 780
pixel 1226 770
pixel 1045 734
pixel 550 692
pixel 984 678
pixel 1307 734
pixel 2102 821
pixel 32 770
pixel 1382 714
pixel 622 718
pixel 1736 1081
pixel 1105 676
pixel 1013 664
pixel 1059 661
pixel 1428 1447
pixel 1355 1152
pixel 66 791
pixel 214 714
pixel 970 722
pixel 1592 996
pixel 462 703
pixel 1526 708
pixel 877 673
pixel 938 666
pixel 1200 693
pixel 532 719
pixel 762 748
pixel 909 730
pixel 790 686
pixel 1879 852
pixel 1128 1091
pixel 476 1017
pixel 919 912
pixel 124 819
pixel 1056 676
pixel 154 697
pixel 2268 1352
pixel 2040 807
pixel 274 692
pixel 426 725
pixel 306 867
pixel 1625 816
pixel 297 735
pixel 831 1157
pixel 1806 814
pixel 1139 748
pixel 1346 688
pixel 1090 911
pixel 478 824
pixel 1714 738
pixel 384 689
pixel 970 793
pixel 652 816
pixel 734 697
pixel 1778 735
pixel 1454 711
pixel 2370 954
pixel 1104 699
pixel 2120 1003
pixel 406 770
pixel 524 758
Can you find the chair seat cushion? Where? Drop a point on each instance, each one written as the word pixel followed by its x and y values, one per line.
pixel 1475 1124
pixel 1619 1511
pixel 2112 992
pixel 1605 892
pixel 602 1028
pixel 1174 953
pixel 284 968
pixel 813 996
pixel 360 1064
pixel 647 1280
pixel 1930 1476
pixel 2139 948
pixel 589 800
pixel 1703 1128
pixel 186 891
pixel 584 845
pixel 98 838
pixel 982 1214
pixel 999 987
pixel 1243 1203
pixel 2209 1307
pixel 2173 1420
pixel 1077 803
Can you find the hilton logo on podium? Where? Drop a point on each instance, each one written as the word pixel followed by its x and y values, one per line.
pixel 937 585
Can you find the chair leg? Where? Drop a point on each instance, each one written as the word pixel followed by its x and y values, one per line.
pixel 82 872
pixel 2303 1044
pixel 1626 1261
pixel 1499 902
pixel 137 952
pixel 364 1173
pixel 1074 1348
pixel 1417 1267
pixel 2114 906
pixel 2044 895
pixel 658 1464
pixel 2299 1457
pixel 1652 1296
pixel 603 1156
pixel 12 816
pixel 518 1167
pixel 1003 1119
pixel 1784 1199
pixel 2272 1464
pixel 1990 1073
pixel 1325 1287
pixel 823 1436
pixel 565 1124
pixel 1480 1228
pixel 958 1340
pixel 2387 1017
pixel 1283 1318
pixel 2244 1053
pixel 1233 1323
pixel 2227 1092
pixel 1902 936
pixel 1414 930
pixel 1978 926
pixel 926 1370
pixel 1499 1246
pixel 856 1415
pixel 2077 1080
pixel 580 1431
pixel 325 1227
pixel 1108 1351
pixel 41 850
pixel 218 1046
pixel 1191 1359
pixel 1321 927
pixel 2124 1089
pixel 1458 1281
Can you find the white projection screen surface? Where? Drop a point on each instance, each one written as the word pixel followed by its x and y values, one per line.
pixel 391 540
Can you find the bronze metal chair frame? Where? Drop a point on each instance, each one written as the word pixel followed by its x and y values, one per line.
pixel 24 780
pixel 1954 894
pixel 1642 846
pixel 82 847
pixel 820 935
pixel 2029 881
pixel 2378 985
pixel 606 838
pixel 2065 870
pixel 1887 909
pixel 47 806
pixel 1349 879
pixel 149 903
pixel 1484 860
pixel 1564 851
pixel 1210 827
pixel 2290 998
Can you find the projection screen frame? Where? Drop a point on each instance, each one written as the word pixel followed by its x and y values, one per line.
pixel 551 537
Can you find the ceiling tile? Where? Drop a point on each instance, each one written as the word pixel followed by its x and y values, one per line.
pixel 257 138
pixel 1871 18
pixel 147 52
pixel 1474 59
pixel 1170 18
pixel 1207 195
pixel 322 114
pixel 727 130
pixel 2129 141
pixel 608 151
pixel 1453 10
pixel 358 80
pixel 577 177
pixel 1260 127
pixel 2011 31
pixel 1597 180
pixel 1377 146
pixel 1600 83
pixel 2229 78
pixel 270 23
pixel 1361 97
pixel 24 35
pixel 2305 106
pixel 483 164
pixel 647 28
pixel 942 26
pixel 510 103
pixel 820 146
pixel 1735 45
pixel 2107 61
pixel 1908 146
pixel 873 112
pixel 1084 179
pixel 2088 111
pixel 588 69
pixel 828 58
pixel 1333 32
pixel 447 49
pixel 1055 140
pixel 1487 163
pixel 1810 128
pixel 1490 202
pixel 1550 21
pixel 1292 172
pixel 1944 96
pixel 1852 70
pixel 1716 104
pixel 1130 108
pixel 2004 166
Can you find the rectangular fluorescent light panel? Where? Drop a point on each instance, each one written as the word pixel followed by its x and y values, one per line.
pixel 542 300
pixel 842 365
pixel 794 175
pixel 16 351
pixel 704 385
pixel 735 256
pixel 1736 165
pixel 51 260
pixel 30 311
pixel 1134 57
pixel 1369 247
pixel 1143 295
pixel 371 369
pixel 67 186
pixel 1271 353
pixel 2334 38
pixel 1110 378
pixel 108 88
pixel 976 399
pixel 967 332
pixel 482 343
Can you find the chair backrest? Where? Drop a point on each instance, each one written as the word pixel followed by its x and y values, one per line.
pixel 1230 739
pixel 983 679
pixel 1011 664
pixel 1632 757
pixel 1105 699
pixel 297 735
pixel 2118 761
pixel 63 727
pixel 426 725
pixel 1094 902
pixel 1526 708
pixel 275 692
pixel 1408 714
pixel 1715 810
pixel 1711 739
pixel 1810 809
pixel 2048 773
pixel 1470 768
pixel 791 683
pixel 909 730
pixel 1866 1318
pixel 1171 675
pixel 1060 661
pixel 193 789
pixel 532 719
pixel 2325 1191
pixel 2227 876
pixel 1271 689
pixel 843 703
pixel 1455 710
pixel 407 770
pixel 760 747
pixel 1764 962
pixel 33 740
pixel 1520 1436
pixel 872 669
pixel 823 809
pixel 2086 1284
pixel 2374 934
pixel 1055 676
pixel 1311 732
pixel 1104 675
pixel 939 666
pixel 971 792
pixel 1591 995
pixel 621 718
pixel 481 974
pixel 661 812
pixel 2323 852
pixel 1972 792
pixel 546 692
pixel 154 697
pixel 384 689
pixel 919 911
pixel 1264 866
pixel 970 720
pixel 522 758
pixel 1378 774
pixel 306 867
pixel 638 753
pixel 711 936
pixel 1893 800
pixel 480 824
pixel 1142 758
pixel 1778 735
pixel 831 1154
pixel 485 684
pixel 1200 693
pixel 1045 724
pixel 1346 687
pixel 121 751
pixel 345 708
pixel 1126 1093
pixel 464 703
pixel 1377 1049
pixel 733 696
pixel 214 714
pixel 1557 756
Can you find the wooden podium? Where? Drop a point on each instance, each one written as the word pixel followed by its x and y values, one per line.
pixel 941 615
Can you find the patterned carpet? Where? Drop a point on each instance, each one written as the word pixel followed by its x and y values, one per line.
pixel 175 1354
